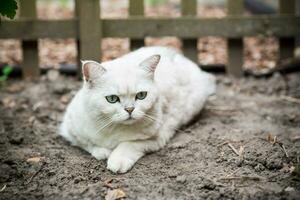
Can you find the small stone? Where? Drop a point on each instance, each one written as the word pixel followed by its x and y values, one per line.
pixel 51 173
pixel 208 184
pixel 77 180
pixel 181 179
pixel 289 189
pixel 227 81
pixel 60 88
pixel 52 75
pixel 18 139
pixel 273 163
pixel 259 167
pixel 239 162
pixel 172 174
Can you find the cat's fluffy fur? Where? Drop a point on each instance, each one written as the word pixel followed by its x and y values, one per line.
pixel 176 91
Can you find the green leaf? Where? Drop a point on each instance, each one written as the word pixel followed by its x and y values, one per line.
pixel 7 70
pixel 8 8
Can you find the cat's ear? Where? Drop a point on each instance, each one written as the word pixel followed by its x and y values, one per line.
pixel 91 70
pixel 150 64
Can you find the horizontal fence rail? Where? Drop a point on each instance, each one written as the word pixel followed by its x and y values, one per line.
pixel 88 29
pixel 185 27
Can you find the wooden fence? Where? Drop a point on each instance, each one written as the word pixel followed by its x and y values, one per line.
pixel 88 28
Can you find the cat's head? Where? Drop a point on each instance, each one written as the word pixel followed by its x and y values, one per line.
pixel 120 94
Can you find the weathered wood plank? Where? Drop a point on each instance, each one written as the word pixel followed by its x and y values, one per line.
pixel 286 44
pixel 30 65
pixel 186 27
pixel 89 45
pixel 298 14
pixel 235 46
pixel 28 29
pixel 136 8
pixel 189 27
pixel 189 8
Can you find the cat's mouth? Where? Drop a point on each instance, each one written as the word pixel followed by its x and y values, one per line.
pixel 129 120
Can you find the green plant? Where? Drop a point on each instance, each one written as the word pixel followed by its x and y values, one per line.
pixel 8 8
pixel 5 73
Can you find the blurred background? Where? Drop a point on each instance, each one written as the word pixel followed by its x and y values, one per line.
pixel 260 52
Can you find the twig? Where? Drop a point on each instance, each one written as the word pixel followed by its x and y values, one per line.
pixel 33 175
pixel 233 149
pixel 220 108
pixel 107 183
pixel 290 99
pixel 3 188
pixel 274 140
pixel 241 152
pixel 283 148
pixel 222 144
pixel 295 138
pixel 234 172
pixel 243 178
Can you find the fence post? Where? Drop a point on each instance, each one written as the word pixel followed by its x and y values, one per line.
pixel 235 46
pixel 30 65
pixel 286 44
pixel 89 29
pixel 297 13
pixel 189 8
pixel 136 8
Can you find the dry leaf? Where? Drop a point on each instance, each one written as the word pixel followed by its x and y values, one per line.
pixel 17 87
pixel 31 119
pixel 272 139
pixel 8 102
pixel 65 99
pixel 115 194
pixel 107 183
pixel 34 159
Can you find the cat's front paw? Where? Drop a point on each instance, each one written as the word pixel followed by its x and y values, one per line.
pixel 100 153
pixel 119 164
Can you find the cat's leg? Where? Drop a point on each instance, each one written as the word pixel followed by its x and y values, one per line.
pixel 125 155
pixel 100 153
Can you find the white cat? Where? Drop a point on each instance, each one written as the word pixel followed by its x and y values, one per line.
pixel 133 105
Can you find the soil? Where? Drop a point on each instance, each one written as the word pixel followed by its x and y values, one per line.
pixel 257 118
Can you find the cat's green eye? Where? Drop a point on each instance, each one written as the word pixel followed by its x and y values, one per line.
pixel 112 98
pixel 141 95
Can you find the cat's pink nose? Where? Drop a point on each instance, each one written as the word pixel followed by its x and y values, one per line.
pixel 129 109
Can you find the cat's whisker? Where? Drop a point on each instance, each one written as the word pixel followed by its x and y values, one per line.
pixel 102 118
pixel 104 126
pixel 112 128
pixel 102 123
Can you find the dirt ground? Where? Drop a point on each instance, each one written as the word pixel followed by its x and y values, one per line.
pixel 244 145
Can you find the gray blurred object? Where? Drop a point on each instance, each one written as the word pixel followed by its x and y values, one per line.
pixel 254 6
pixel 261 6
